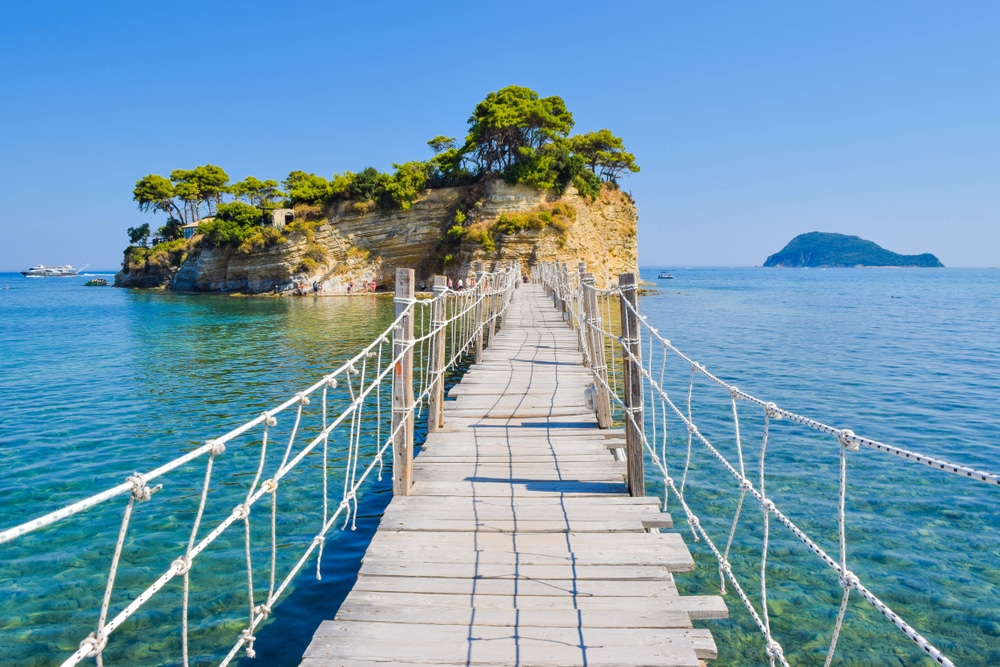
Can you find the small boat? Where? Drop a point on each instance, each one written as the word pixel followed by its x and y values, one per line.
pixel 42 271
pixel 664 275
pixel 96 282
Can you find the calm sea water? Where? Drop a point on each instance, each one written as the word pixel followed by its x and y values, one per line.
pixel 98 382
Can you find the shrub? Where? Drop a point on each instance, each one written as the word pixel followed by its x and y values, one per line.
pixel 264 237
pixel 316 252
pixel 304 227
pixel 307 265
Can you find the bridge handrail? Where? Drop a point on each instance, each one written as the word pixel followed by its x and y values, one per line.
pixel 569 292
pixel 459 327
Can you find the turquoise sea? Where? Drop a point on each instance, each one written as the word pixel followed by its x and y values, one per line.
pixel 96 383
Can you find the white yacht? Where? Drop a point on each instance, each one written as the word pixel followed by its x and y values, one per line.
pixel 42 271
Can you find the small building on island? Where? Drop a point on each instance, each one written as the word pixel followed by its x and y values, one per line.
pixel 191 228
pixel 281 217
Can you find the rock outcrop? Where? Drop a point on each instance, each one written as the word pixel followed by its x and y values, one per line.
pixel 357 243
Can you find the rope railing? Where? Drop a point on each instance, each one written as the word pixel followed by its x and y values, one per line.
pixel 351 398
pixel 649 368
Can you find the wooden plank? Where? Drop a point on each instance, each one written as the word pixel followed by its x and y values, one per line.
pixel 357 610
pixel 698 607
pixel 519 543
pixel 508 587
pixel 512 646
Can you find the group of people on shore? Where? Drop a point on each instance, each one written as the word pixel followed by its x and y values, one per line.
pixel 301 289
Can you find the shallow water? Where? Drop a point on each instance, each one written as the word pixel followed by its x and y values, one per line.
pixel 98 382
pixel 908 357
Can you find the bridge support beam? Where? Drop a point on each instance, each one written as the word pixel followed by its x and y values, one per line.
pixel 439 315
pixel 632 368
pixel 402 386
pixel 595 342
pixel 480 291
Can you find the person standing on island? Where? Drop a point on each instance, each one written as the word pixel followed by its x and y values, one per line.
pixel 449 283
pixel 460 285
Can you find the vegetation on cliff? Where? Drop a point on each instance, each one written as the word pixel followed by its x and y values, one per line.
pixel 514 134
pixel 826 249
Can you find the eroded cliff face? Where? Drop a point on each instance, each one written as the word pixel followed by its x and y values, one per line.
pixel 359 244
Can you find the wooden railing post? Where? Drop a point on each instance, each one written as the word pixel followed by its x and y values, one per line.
pixel 480 291
pixel 439 314
pixel 581 345
pixel 491 281
pixel 402 386
pixel 598 359
pixel 632 368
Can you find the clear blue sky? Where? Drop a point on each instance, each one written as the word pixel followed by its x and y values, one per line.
pixel 752 121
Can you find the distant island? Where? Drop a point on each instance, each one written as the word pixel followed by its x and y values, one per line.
pixel 826 249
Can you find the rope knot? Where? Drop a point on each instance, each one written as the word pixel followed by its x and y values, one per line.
pixel 331 382
pixel 94 644
pixel 140 491
pixel 772 411
pixel 746 484
pixel 693 520
pixel 319 540
pixel 724 566
pixel 847 439
pixel 241 511
pixel 182 565
pixel 767 505
pixel 734 391
pixel 692 429
pixel 217 447
pixel 269 486
pixel 268 419
pixel 849 580
pixel 773 650
pixel 249 639
pixel 263 609
pixel 302 398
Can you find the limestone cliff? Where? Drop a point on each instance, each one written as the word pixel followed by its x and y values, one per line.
pixel 357 244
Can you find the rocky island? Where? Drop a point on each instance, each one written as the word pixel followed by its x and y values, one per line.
pixel 816 249
pixel 519 187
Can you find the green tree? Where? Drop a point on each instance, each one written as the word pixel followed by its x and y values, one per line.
pixel 139 235
pixel 306 188
pixel 234 223
pixel 171 231
pixel 156 193
pixel 262 194
pixel 406 184
pixel 241 213
pixel 204 184
pixel 441 143
pixel 512 125
pixel 604 154
pixel 367 184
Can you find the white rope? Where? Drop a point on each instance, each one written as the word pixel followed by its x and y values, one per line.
pixel 360 379
pixel 846 439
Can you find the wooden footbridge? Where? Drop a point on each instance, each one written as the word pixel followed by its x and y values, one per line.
pixel 519 543
pixel 520 534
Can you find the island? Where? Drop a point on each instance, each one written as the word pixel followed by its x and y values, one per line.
pixel 816 249
pixel 520 187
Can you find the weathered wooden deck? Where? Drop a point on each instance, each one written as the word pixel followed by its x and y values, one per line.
pixel 519 544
